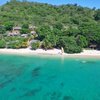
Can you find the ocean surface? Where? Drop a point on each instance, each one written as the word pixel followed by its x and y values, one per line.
pixel 49 78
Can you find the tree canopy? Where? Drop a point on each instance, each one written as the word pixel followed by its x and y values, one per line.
pixel 70 26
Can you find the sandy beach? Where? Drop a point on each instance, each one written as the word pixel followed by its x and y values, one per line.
pixel 27 51
pixel 57 52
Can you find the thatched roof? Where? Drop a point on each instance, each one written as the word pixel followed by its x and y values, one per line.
pixel 17 28
pixel 93 46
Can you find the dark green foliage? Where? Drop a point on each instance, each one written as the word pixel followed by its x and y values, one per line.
pixel 24 31
pixel 73 31
pixel 47 44
pixel 82 41
pixel 16 42
pixel 26 26
pixel 72 48
pixel 2 30
pixel 58 25
pixel 69 44
pixel 17 45
pixel 2 43
pixel 43 31
pixel 9 26
pixel 35 45
pixel 97 15
pixel 14 45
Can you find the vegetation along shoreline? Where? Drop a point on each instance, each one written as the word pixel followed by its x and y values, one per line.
pixel 43 26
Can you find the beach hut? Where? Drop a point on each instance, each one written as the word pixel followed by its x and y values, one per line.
pixel 16 30
pixel 93 46
pixel 33 32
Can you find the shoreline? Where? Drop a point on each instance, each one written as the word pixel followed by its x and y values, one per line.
pixel 53 52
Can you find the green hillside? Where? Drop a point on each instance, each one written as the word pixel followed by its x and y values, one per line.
pixel 69 26
pixel 38 13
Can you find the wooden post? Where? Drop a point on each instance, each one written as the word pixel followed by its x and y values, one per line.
pixel 62 50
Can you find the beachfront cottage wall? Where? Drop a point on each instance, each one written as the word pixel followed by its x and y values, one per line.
pixel 16 30
pixel 93 46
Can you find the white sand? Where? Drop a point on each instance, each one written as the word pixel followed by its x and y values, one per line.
pixel 28 51
pixel 85 53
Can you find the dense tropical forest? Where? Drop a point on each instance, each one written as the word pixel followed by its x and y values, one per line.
pixel 69 26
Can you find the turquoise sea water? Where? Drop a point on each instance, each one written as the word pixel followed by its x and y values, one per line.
pixel 48 78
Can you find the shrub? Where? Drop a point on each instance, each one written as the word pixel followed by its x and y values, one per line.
pixel 24 44
pixel 15 45
pixel 69 44
pixel 35 45
pixel 72 49
pixel 2 44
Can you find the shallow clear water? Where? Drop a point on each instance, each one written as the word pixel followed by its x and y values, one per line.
pixel 47 78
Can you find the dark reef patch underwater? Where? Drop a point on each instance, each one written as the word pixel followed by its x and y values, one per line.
pixel 48 78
